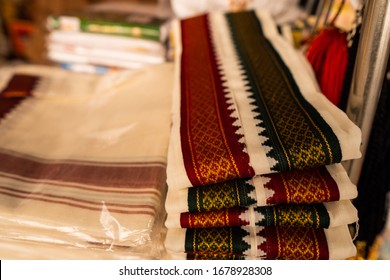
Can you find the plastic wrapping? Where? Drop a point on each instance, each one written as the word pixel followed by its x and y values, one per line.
pixel 83 159
pixel 16 249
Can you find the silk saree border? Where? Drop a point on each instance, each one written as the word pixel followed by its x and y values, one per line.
pixel 295 243
pixel 306 186
pixel 228 240
pixel 298 135
pixel 314 144
pixel 311 185
pixel 288 215
pixel 222 195
pixel 318 215
pixel 211 148
pixel 272 242
pixel 349 134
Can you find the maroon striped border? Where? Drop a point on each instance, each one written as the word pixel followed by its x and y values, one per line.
pixel 129 176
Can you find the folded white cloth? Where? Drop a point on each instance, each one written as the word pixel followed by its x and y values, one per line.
pixel 291 111
pixel 264 190
pixel 84 158
pixel 260 243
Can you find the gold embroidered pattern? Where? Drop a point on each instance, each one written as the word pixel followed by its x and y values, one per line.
pixel 226 240
pixel 300 138
pixel 211 150
pixel 298 243
pixel 298 216
pixel 214 256
pixel 213 240
pixel 219 197
pixel 304 187
pixel 209 219
pixel 222 195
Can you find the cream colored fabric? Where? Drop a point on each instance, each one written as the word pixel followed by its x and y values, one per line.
pixel 86 158
pixel 14 249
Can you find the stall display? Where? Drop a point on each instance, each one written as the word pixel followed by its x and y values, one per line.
pixel 248 112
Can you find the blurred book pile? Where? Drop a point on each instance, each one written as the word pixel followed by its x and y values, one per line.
pixel 109 36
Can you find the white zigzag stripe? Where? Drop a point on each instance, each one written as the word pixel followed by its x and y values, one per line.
pixel 238 95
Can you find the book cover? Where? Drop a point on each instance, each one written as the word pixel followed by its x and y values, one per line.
pixel 124 23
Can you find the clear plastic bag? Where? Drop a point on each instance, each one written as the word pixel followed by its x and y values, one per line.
pixel 83 159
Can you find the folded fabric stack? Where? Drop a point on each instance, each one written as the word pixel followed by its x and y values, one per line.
pixel 83 161
pixel 109 36
pixel 255 157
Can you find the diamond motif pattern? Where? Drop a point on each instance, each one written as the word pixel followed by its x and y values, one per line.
pixel 298 135
pixel 301 215
pixel 298 243
pixel 225 240
pixel 303 186
pixel 213 240
pixel 212 148
pixel 218 196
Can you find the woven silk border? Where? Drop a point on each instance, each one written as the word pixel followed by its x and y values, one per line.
pixel 228 240
pixel 297 134
pixel 287 215
pixel 293 243
pixel 278 242
pixel 211 148
pixel 303 186
pixel 222 195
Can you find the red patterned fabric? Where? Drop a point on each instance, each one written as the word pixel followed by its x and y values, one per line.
pixel 242 119
pixel 211 150
pixel 220 218
pixel 303 186
pixel 295 243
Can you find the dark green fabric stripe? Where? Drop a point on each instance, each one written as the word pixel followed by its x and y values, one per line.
pixel 239 244
pixel 228 240
pixel 295 215
pixel 189 241
pixel 298 135
pixel 218 196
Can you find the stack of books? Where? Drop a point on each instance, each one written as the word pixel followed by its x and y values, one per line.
pixel 109 36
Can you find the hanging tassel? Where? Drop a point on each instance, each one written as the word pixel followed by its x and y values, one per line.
pixel 328 55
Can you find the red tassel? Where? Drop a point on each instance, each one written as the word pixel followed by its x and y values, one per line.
pixel 328 55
